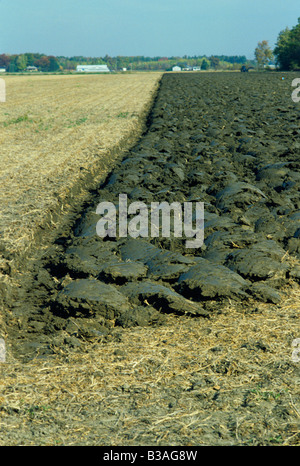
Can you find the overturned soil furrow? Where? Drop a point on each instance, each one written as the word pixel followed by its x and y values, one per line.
pixel 227 140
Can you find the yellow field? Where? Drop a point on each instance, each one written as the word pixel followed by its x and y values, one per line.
pixel 54 131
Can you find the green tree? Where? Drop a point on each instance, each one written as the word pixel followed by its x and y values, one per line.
pixel 21 63
pixel 287 50
pixel 214 62
pixel 29 58
pixel 263 53
pixel 204 64
pixel 53 64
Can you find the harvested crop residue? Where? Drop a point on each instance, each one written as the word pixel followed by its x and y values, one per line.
pixel 122 341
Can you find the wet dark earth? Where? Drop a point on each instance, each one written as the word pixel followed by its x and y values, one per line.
pixel 228 140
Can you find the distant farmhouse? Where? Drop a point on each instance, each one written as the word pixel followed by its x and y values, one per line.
pixel 92 69
pixel 187 68
pixel 31 68
pixel 2 70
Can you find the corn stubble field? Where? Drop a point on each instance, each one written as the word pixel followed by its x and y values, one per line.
pixel 224 380
pixel 53 130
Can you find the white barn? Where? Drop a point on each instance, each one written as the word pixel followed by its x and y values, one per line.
pixel 176 68
pixel 92 69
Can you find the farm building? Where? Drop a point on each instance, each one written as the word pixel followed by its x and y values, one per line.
pixel 2 70
pixel 92 69
pixel 31 68
pixel 176 68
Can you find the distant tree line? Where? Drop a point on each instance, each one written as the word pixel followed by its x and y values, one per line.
pixel 19 63
pixel 286 53
pixel 287 49
pixel 50 63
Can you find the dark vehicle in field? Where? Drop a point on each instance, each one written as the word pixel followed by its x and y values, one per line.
pixel 244 69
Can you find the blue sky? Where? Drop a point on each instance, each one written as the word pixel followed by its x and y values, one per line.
pixel 142 27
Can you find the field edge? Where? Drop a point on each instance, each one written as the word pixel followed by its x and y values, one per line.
pixel 58 221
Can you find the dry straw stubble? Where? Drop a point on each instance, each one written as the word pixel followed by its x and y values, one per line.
pixel 54 130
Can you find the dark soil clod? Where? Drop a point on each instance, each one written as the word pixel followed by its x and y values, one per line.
pixel 233 156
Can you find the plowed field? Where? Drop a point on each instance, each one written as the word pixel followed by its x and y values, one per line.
pixel 140 341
